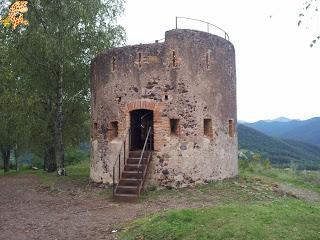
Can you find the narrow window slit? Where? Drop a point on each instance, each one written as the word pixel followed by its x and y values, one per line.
pixel 113 130
pixel 139 60
pixel 174 59
pixel 174 127
pixel 231 128
pixel 207 127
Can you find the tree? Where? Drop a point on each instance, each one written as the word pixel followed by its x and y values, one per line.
pixel 14 116
pixel 310 11
pixel 54 54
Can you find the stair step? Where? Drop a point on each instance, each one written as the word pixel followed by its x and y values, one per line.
pixel 126 197
pixel 136 160
pixel 127 190
pixel 138 154
pixel 129 182
pixel 131 174
pixel 127 187
pixel 134 167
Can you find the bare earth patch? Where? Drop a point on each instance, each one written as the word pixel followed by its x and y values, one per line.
pixel 304 194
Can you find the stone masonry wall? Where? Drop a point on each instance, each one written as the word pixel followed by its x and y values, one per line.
pixel 190 77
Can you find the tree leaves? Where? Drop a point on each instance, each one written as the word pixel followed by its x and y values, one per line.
pixel 311 7
pixel 68 32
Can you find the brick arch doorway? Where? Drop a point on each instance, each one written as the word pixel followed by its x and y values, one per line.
pixel 140 121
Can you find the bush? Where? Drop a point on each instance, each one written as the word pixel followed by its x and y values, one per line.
pixel 253 162
pixel 75 156
pixel 37 161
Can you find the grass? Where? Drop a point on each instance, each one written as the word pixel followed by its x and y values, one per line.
pixel 281 219
pixel 77 174
pixel 218 192
pixel 301 179
pixel 243 208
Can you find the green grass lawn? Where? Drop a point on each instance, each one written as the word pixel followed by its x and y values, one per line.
pixel 281 219
pixel 247 209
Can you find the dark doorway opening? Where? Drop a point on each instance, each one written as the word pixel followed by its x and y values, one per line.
pixel 140 121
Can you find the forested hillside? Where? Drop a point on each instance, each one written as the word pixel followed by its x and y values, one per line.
pixel 281 152
pixel 305 131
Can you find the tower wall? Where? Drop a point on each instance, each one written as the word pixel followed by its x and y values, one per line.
pixel 190 79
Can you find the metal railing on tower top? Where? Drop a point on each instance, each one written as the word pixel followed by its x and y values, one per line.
pixel 225 34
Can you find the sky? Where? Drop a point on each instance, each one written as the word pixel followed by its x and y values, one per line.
pixel 278 74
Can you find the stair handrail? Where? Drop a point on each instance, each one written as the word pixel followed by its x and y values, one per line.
pixel 118 160
pixel 142 153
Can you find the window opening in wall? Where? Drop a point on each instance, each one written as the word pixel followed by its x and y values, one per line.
pixel 207 60
pixel 139 60
pixel 113 63
pixel 231 128
pixel 174 127
pixel 174 59
pixel 207 127
pixel 113 130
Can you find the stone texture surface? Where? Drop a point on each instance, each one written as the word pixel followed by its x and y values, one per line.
pixel 191 77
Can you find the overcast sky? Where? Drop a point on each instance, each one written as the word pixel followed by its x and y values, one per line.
pixel 278 74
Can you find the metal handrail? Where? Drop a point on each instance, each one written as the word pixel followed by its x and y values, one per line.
pixel 123 146
pixel 141 157
pixel 143 149
pixel 226 36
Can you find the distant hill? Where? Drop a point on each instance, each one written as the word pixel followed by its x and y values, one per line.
pixel 281 152
pixel 281 119
pixel 305 131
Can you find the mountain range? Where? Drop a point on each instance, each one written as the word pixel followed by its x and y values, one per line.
pixel 301 130
pixel 280 152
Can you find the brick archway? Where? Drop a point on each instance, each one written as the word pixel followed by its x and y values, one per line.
pixel 160 124
pixel 147 104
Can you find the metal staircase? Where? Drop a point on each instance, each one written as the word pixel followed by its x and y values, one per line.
pixel 130 169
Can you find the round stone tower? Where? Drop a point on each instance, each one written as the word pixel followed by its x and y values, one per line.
pixel 185 89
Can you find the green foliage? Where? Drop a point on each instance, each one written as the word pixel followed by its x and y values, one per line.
pixel 36 162
pixel 266 164
pixel 282 219
pixel 253 162
pixel 75 156
pixel 280 152
pixel 53 53
pixel 310 11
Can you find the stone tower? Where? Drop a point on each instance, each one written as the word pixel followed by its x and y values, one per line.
pixel 185 88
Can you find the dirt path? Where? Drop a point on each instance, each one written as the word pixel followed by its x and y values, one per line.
pixel 300 193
